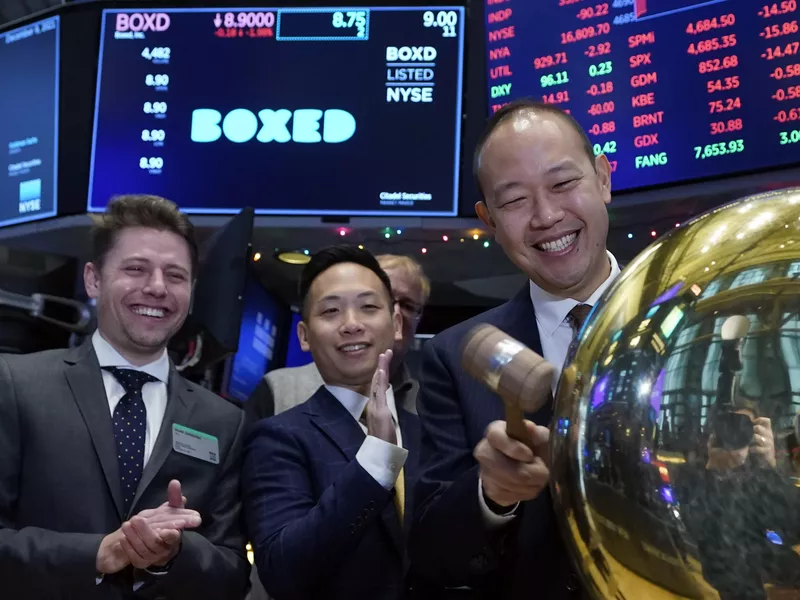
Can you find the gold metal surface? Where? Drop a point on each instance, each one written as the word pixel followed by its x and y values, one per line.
pixel 657 495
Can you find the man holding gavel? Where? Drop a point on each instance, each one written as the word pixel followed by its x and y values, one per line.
pixel 484 519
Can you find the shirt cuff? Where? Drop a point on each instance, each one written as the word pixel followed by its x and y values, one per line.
pixel 491 518
pixel 381 460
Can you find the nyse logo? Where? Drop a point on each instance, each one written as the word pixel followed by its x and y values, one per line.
pixel 241 125
pixel 142 22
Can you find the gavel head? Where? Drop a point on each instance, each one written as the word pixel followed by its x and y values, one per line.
pixel 510 369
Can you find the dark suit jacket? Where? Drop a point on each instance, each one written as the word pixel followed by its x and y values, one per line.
pixel 450 545
pixel 321 526
pixel 60 492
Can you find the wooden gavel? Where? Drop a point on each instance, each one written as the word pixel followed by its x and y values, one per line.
pixel 513 371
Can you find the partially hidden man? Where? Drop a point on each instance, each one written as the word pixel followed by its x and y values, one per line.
pixel 327 484
pixel 118 477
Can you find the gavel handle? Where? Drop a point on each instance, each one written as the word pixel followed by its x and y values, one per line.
pixel 515 423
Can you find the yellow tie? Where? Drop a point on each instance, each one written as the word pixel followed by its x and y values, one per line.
pixel 399 484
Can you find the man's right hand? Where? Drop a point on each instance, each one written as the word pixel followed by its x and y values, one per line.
pixel 172 515
pixel 380 423
pixel 510 470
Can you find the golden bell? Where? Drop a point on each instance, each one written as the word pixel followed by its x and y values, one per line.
pixel 675 438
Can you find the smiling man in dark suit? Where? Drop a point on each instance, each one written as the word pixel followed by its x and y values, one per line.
pixel 118 477
pixel 484 518
pixel 326 484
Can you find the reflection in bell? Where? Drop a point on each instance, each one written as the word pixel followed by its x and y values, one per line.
pixel 674 444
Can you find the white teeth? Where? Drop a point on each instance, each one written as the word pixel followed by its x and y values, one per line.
pixel 149 312
pixel 559 244
pixel 353 347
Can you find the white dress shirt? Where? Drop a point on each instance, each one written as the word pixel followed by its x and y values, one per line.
pixel 154 393
pixel 555 333
pixel 380 459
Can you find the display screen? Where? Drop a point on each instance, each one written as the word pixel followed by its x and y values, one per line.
pixel 262 318
pixel 29 121
pixel 323 111
pixel 669 90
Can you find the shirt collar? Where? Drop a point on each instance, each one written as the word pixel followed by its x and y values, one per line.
pixel 107 356
pixel 551 310
pixel 355 402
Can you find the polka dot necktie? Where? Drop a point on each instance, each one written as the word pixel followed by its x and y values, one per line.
pixel 576 317
pixel 130 424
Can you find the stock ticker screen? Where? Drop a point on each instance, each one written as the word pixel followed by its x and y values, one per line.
pixel 669 90
pixel 323 111
pixel 29 121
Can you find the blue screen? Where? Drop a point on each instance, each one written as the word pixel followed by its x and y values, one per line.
pixel 29 121
pixel 291 111
pixel 295 355
pixel 262 318
pixel 669 90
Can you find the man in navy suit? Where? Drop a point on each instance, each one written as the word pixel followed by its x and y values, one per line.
pixel 324 483
pixel 484 519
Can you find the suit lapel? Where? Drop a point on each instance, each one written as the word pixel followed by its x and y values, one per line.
pixel 330 417
pixel 86 382
pixel 180 403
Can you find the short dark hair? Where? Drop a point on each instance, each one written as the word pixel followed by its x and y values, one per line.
pixel 331 256
pixel 140 210
pixel 517 106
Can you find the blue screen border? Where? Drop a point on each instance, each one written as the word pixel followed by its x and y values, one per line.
pixel 54 212
pixel 90 207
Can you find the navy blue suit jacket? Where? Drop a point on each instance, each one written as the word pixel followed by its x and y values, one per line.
pixel 321 526
pixel 450 545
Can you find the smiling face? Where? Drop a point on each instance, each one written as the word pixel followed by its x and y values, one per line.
pixel 143 291
pixel 545 202
pixel 349 321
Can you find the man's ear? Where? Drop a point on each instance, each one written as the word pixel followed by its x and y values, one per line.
pixel 91 280
pixel 603 168
pixel 397 321
pixel 302 335
pixel 483 214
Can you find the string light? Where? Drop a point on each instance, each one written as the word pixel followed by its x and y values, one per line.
pixel 462 240
pixel 399 232
pixel 342 232
pixel 361 246
pixel 653 233
pixel 630 236
pixel 486 244
pixel 257 256
pixel 445 238
pixel 387 235
pixel 424 250
pixel 475 236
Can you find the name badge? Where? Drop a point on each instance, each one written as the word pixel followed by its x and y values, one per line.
pixel 195 444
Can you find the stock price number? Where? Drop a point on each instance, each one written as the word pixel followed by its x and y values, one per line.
pixel 716 64
pixel 706 25
pixel 729 104
pixel 593 12
pixel 719 149
pixel 556 97
pixel 784 116
pixel 156 80
pixel 350 19
pixel 160 54
pixel 790 137
pixel 605 87
pixel 726 41
pixel 552 79
pixel 787 72
pixel 790 49
pixel 153 135
pixel 723 85
pixel 446 20
pixel 600 69
pixel 601 108
pixel 246 19
pixel 609 147
pixel 773 31
pixel 790 93
pixel 777 8
pixel 154 163
pixel 155 108
pixel 726 126
pixel 603 128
